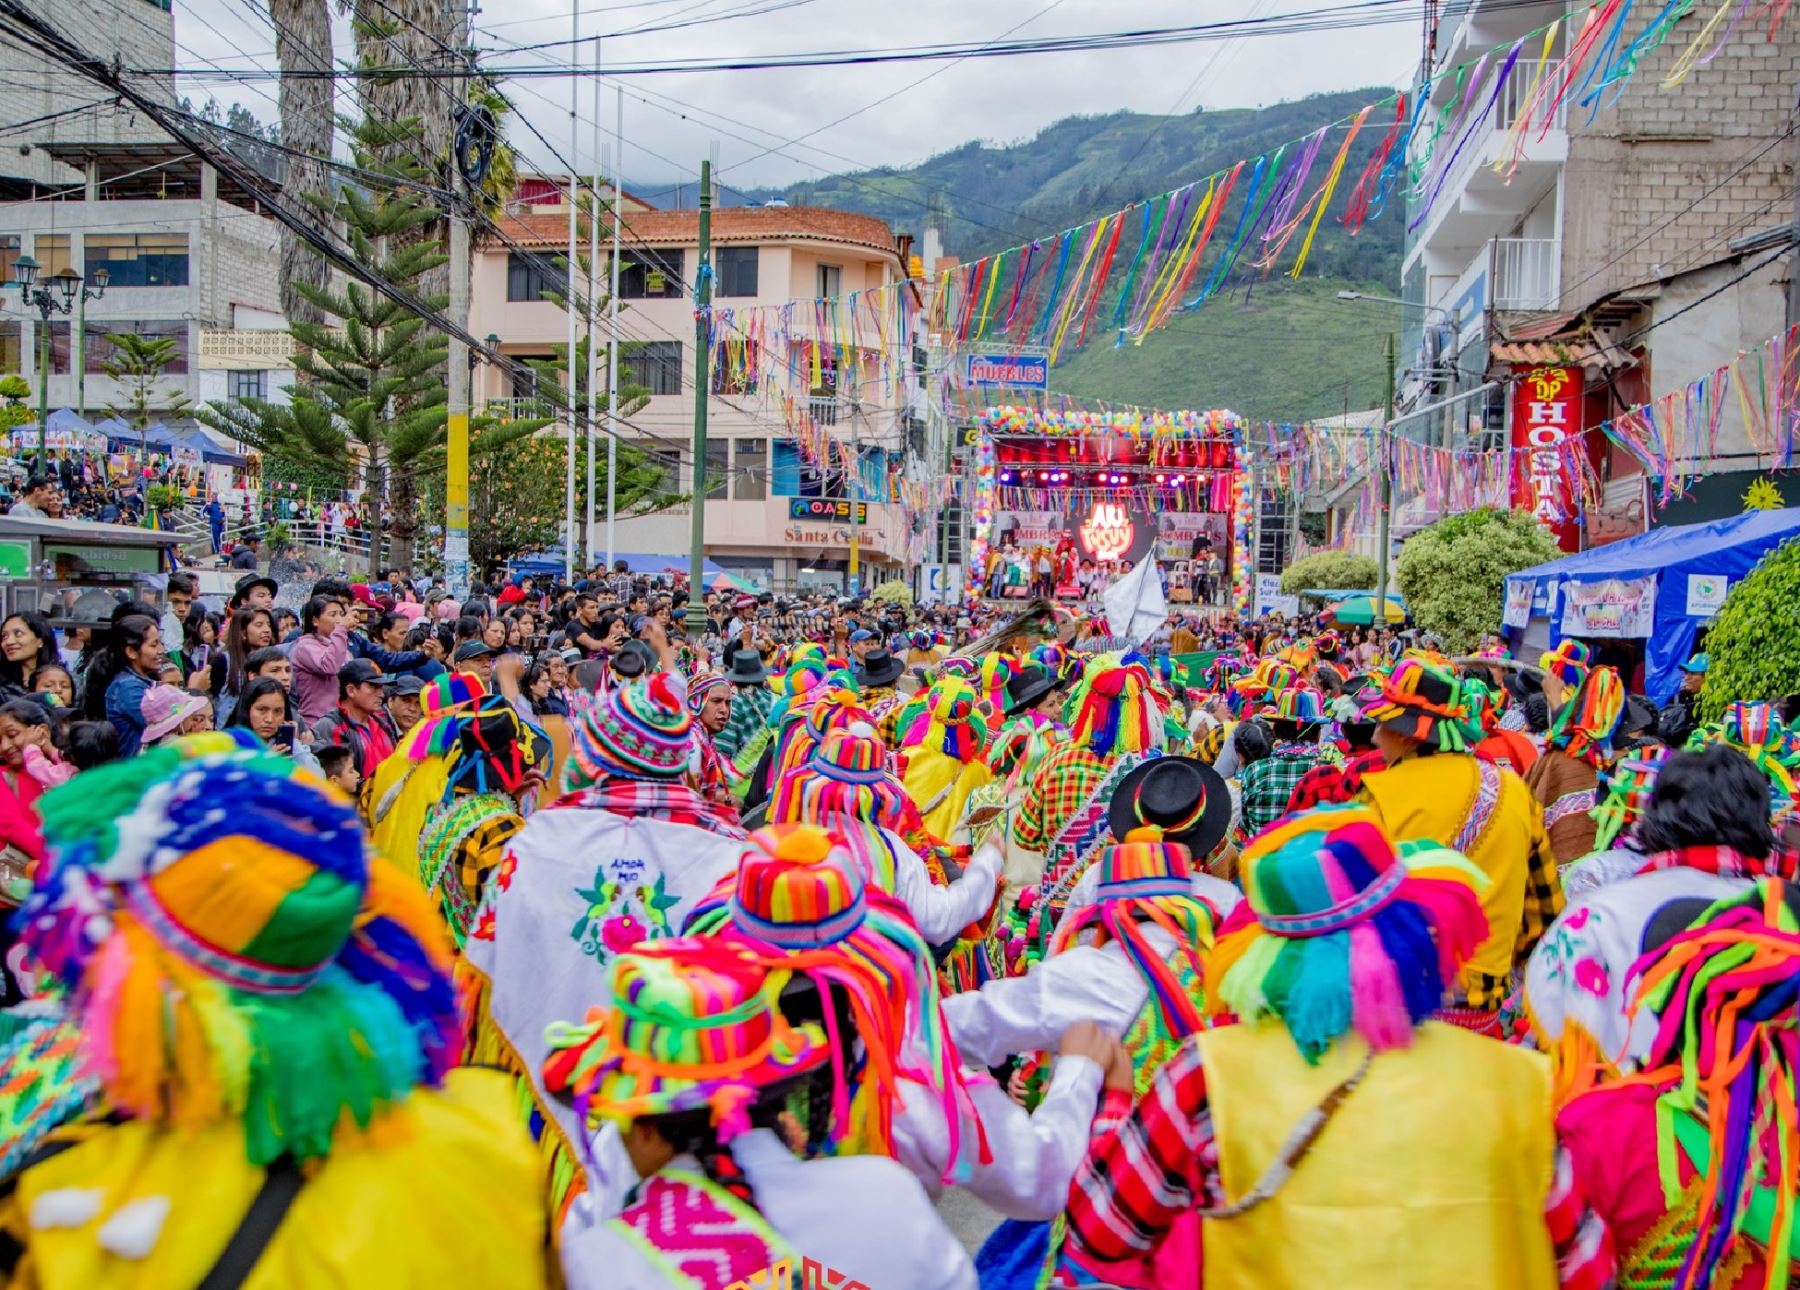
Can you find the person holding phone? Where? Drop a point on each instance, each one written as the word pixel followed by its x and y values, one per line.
pixel 265 710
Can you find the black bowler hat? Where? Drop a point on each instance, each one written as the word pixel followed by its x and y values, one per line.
pixel 878 668
pixel 747 668
pixel 1025 687
pixel 1184 797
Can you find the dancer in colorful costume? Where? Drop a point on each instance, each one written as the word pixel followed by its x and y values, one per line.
pixel 1434 789
pixel 1688 1169
pixel 270 1012
pixel 1703 833
pixel 844 787
pixel 1115 727
pixel 1580 742
pixel 692 1056
pixel 750 706
pixel 1266 786
pixel 799 902
pixel 876 676
pixel 1265 1127
pixel 710 700
pixel 620 860
pixel 944 765
pixel 492 767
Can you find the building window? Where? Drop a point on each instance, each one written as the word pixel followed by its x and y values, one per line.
pixel 667 458
pixel 718 466
pixel 737 270
pixel 247 385
pixel 9 256
pixel 139 259
pixel 51 251
pixel 97 350
pixel 11 347
pixel 655 365
pixel 530 277
pixel 750 483
pixel 831 281
pixel 651 275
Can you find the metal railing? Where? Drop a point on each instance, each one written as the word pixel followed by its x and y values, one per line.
pixel 520 409
pixel 1525 273
pixel 824 411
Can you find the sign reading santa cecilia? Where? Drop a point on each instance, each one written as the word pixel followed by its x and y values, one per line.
pixel 1546 415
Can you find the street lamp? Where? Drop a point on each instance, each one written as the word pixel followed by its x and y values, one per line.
pixel 59 294
pixel 1454 315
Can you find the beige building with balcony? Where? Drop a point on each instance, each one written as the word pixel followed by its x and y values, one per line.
pixel 770 518
pixel 1604 248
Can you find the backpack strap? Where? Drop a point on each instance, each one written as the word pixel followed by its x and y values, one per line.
pixel 281 1184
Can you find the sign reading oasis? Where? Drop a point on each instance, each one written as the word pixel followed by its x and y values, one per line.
pixel 830 510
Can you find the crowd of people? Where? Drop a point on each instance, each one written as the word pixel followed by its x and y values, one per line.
pixel 528 937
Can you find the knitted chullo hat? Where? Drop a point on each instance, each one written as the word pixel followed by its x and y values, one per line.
pixel 996 670
pixel 1423 701
pixel 799 902
pixel 232 950
pixel 694 1025
pixel 1146 880
pixel 957 665
pixel 1568 662
pixel 1055 658
pixel 1114 713
pixel 1623 792
pixel 1328 644
pixel 948 722
pixel 700 687
pixel 1347 932
pixel 1724 994
pixel 640 730
pixel 1585 724
pixel 1481 710
pixel 803 675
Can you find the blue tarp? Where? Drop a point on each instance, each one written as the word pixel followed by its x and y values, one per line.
pixel 1727 548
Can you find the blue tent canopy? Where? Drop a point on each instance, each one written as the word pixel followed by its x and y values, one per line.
pixel 546 564
pixel 1720 549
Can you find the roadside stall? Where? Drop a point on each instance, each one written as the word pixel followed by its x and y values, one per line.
pixel 47 564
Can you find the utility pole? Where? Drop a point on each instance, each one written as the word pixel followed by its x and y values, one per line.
pixel 855 496
pixel 569 300
pixel 696 610
pixel 1378 462
pixel 612 319
pixel 456 439
pixel 593 357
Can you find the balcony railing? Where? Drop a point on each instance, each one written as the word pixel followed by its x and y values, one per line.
pixel 521 409
pixel 1525 273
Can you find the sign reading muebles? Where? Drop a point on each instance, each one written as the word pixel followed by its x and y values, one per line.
pixel 1008 371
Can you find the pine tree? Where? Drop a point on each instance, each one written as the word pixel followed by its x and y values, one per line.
pixel 370 387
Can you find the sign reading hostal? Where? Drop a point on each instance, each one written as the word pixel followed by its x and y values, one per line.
pixel 1546 414
pixel 830 510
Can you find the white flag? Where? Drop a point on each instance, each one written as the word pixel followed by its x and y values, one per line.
pixel 1135 607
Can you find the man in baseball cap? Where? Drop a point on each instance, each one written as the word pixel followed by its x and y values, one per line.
pixel 360 722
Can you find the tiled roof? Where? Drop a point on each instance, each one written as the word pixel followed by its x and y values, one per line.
pixel 730 224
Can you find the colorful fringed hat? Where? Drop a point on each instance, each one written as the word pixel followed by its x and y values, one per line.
pixel 1347 932
pixel 232 950
pixel 959 666
pixel 1328 644
pixel 1724 994
pixel 1422 701
pixel 949 723
pixel 1585 724
pixel 1114 713
pixel 694 1025
pixel 799 903
pixel 1300 704
pixel 845 778
pixel 996 670
pixel 448 691
pixel 1623 791
pixel 1568 662
pixel 1756 731
pixel 1145 881
pixel 641 729
pixel 700 687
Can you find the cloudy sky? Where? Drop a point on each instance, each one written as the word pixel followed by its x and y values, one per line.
pixel 894 114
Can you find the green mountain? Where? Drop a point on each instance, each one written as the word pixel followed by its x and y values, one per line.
pixel 1268 347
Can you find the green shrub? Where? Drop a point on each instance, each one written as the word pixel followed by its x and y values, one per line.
pixel 1755 638
pixel 1453 574
pixel 1330 570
